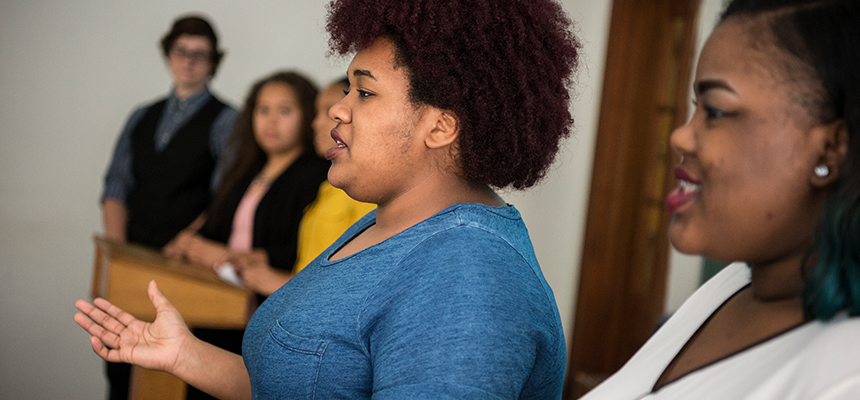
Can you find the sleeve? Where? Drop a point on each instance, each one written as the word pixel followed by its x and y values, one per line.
pixel 464 317
pixel 119 179
pixel 219 138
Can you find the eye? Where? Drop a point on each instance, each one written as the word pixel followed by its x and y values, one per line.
pixel 711 112
pixel 363 93
pixel 714 113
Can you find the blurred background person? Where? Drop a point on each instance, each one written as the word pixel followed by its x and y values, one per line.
pixel 272 179
pixel 167 159
pixel 324 220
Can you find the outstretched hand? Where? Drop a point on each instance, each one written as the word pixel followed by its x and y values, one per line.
pixel 117 336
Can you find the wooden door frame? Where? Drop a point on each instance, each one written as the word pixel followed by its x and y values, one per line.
pixel 625 250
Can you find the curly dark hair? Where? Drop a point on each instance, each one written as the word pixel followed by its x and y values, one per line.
pixel 193 25
pixel 246 153
pixel 503 67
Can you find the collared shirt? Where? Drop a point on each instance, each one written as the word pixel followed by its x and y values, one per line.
pixel 119 179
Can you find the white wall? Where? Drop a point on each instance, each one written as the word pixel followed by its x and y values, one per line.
pixel 70 73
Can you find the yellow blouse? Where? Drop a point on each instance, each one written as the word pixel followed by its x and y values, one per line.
pixel 325 220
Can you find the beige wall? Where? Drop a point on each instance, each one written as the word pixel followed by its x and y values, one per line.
pixel 70 73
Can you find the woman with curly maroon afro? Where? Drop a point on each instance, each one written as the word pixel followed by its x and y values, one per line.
pixel 437 293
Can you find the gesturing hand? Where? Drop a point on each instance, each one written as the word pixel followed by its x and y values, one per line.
pixel 117 336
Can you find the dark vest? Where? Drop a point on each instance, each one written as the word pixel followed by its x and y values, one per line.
pixel 171 187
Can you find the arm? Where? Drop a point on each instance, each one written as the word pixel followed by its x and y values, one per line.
pixel 118 182
pixel 197 249
pixel 172 248
pixel 256 272
pixel 219 139
pixel 165 344
pixel 115 219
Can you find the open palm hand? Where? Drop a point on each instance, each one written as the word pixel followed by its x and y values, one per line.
pixel 117 336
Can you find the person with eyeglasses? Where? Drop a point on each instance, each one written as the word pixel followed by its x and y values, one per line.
pixel 168 159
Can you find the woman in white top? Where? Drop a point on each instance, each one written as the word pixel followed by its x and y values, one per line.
pixel 769 177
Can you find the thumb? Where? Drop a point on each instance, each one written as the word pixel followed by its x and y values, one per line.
pixel 158 299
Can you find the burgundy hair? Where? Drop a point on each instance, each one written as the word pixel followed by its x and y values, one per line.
pixel 503 67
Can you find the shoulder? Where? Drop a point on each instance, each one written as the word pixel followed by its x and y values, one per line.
pixel 218 100
pixel 832 358
pixel 142 108
pixel 716 290
pixel 140 111
pixel 477 251
pixel 475 232
pixel 308 170
pixel 309 163
pixel 227 114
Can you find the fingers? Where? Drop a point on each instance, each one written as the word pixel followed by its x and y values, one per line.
pixel 103 313
pixel 117 313
pixel 158 299
pixel 96 331
pixel 103 352
pixel 97 336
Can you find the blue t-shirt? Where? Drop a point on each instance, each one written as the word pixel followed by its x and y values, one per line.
pixel 453 307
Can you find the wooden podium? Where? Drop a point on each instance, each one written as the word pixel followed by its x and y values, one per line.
pixel 121 274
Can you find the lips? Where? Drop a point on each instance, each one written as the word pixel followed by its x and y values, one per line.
pixel 688 189
pixel 339 145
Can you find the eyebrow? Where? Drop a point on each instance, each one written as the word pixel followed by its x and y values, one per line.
pixel 706 85
pixel 363 72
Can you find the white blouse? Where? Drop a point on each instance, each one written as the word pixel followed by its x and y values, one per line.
pixel 813 361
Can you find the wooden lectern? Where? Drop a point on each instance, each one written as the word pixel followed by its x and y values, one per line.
pixel 121 274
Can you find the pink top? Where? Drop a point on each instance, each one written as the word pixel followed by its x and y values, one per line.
pixel 242 234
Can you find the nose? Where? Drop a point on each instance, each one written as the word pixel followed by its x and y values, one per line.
pixel 340 112
pixel 683 140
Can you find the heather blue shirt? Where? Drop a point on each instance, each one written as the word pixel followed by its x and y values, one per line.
pixel 453 307
pixel 119 179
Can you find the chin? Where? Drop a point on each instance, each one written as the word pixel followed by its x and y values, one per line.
pixel 682 239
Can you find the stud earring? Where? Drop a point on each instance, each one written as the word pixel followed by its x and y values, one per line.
pixel 821 170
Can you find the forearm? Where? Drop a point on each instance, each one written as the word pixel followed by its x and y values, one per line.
pixel 115 219
pixel 213 370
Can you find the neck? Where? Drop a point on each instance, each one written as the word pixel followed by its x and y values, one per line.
pixel 423 201
pixel 184 92
pixel 778 281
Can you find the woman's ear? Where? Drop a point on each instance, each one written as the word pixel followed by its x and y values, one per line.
pixel 445 130
pixel 834 149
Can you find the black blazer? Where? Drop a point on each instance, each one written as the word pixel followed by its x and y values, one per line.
pixel 276 221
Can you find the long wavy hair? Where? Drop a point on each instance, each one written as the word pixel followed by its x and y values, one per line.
pixel 246 154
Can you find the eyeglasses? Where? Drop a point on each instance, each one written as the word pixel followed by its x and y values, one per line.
pixel 195 56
